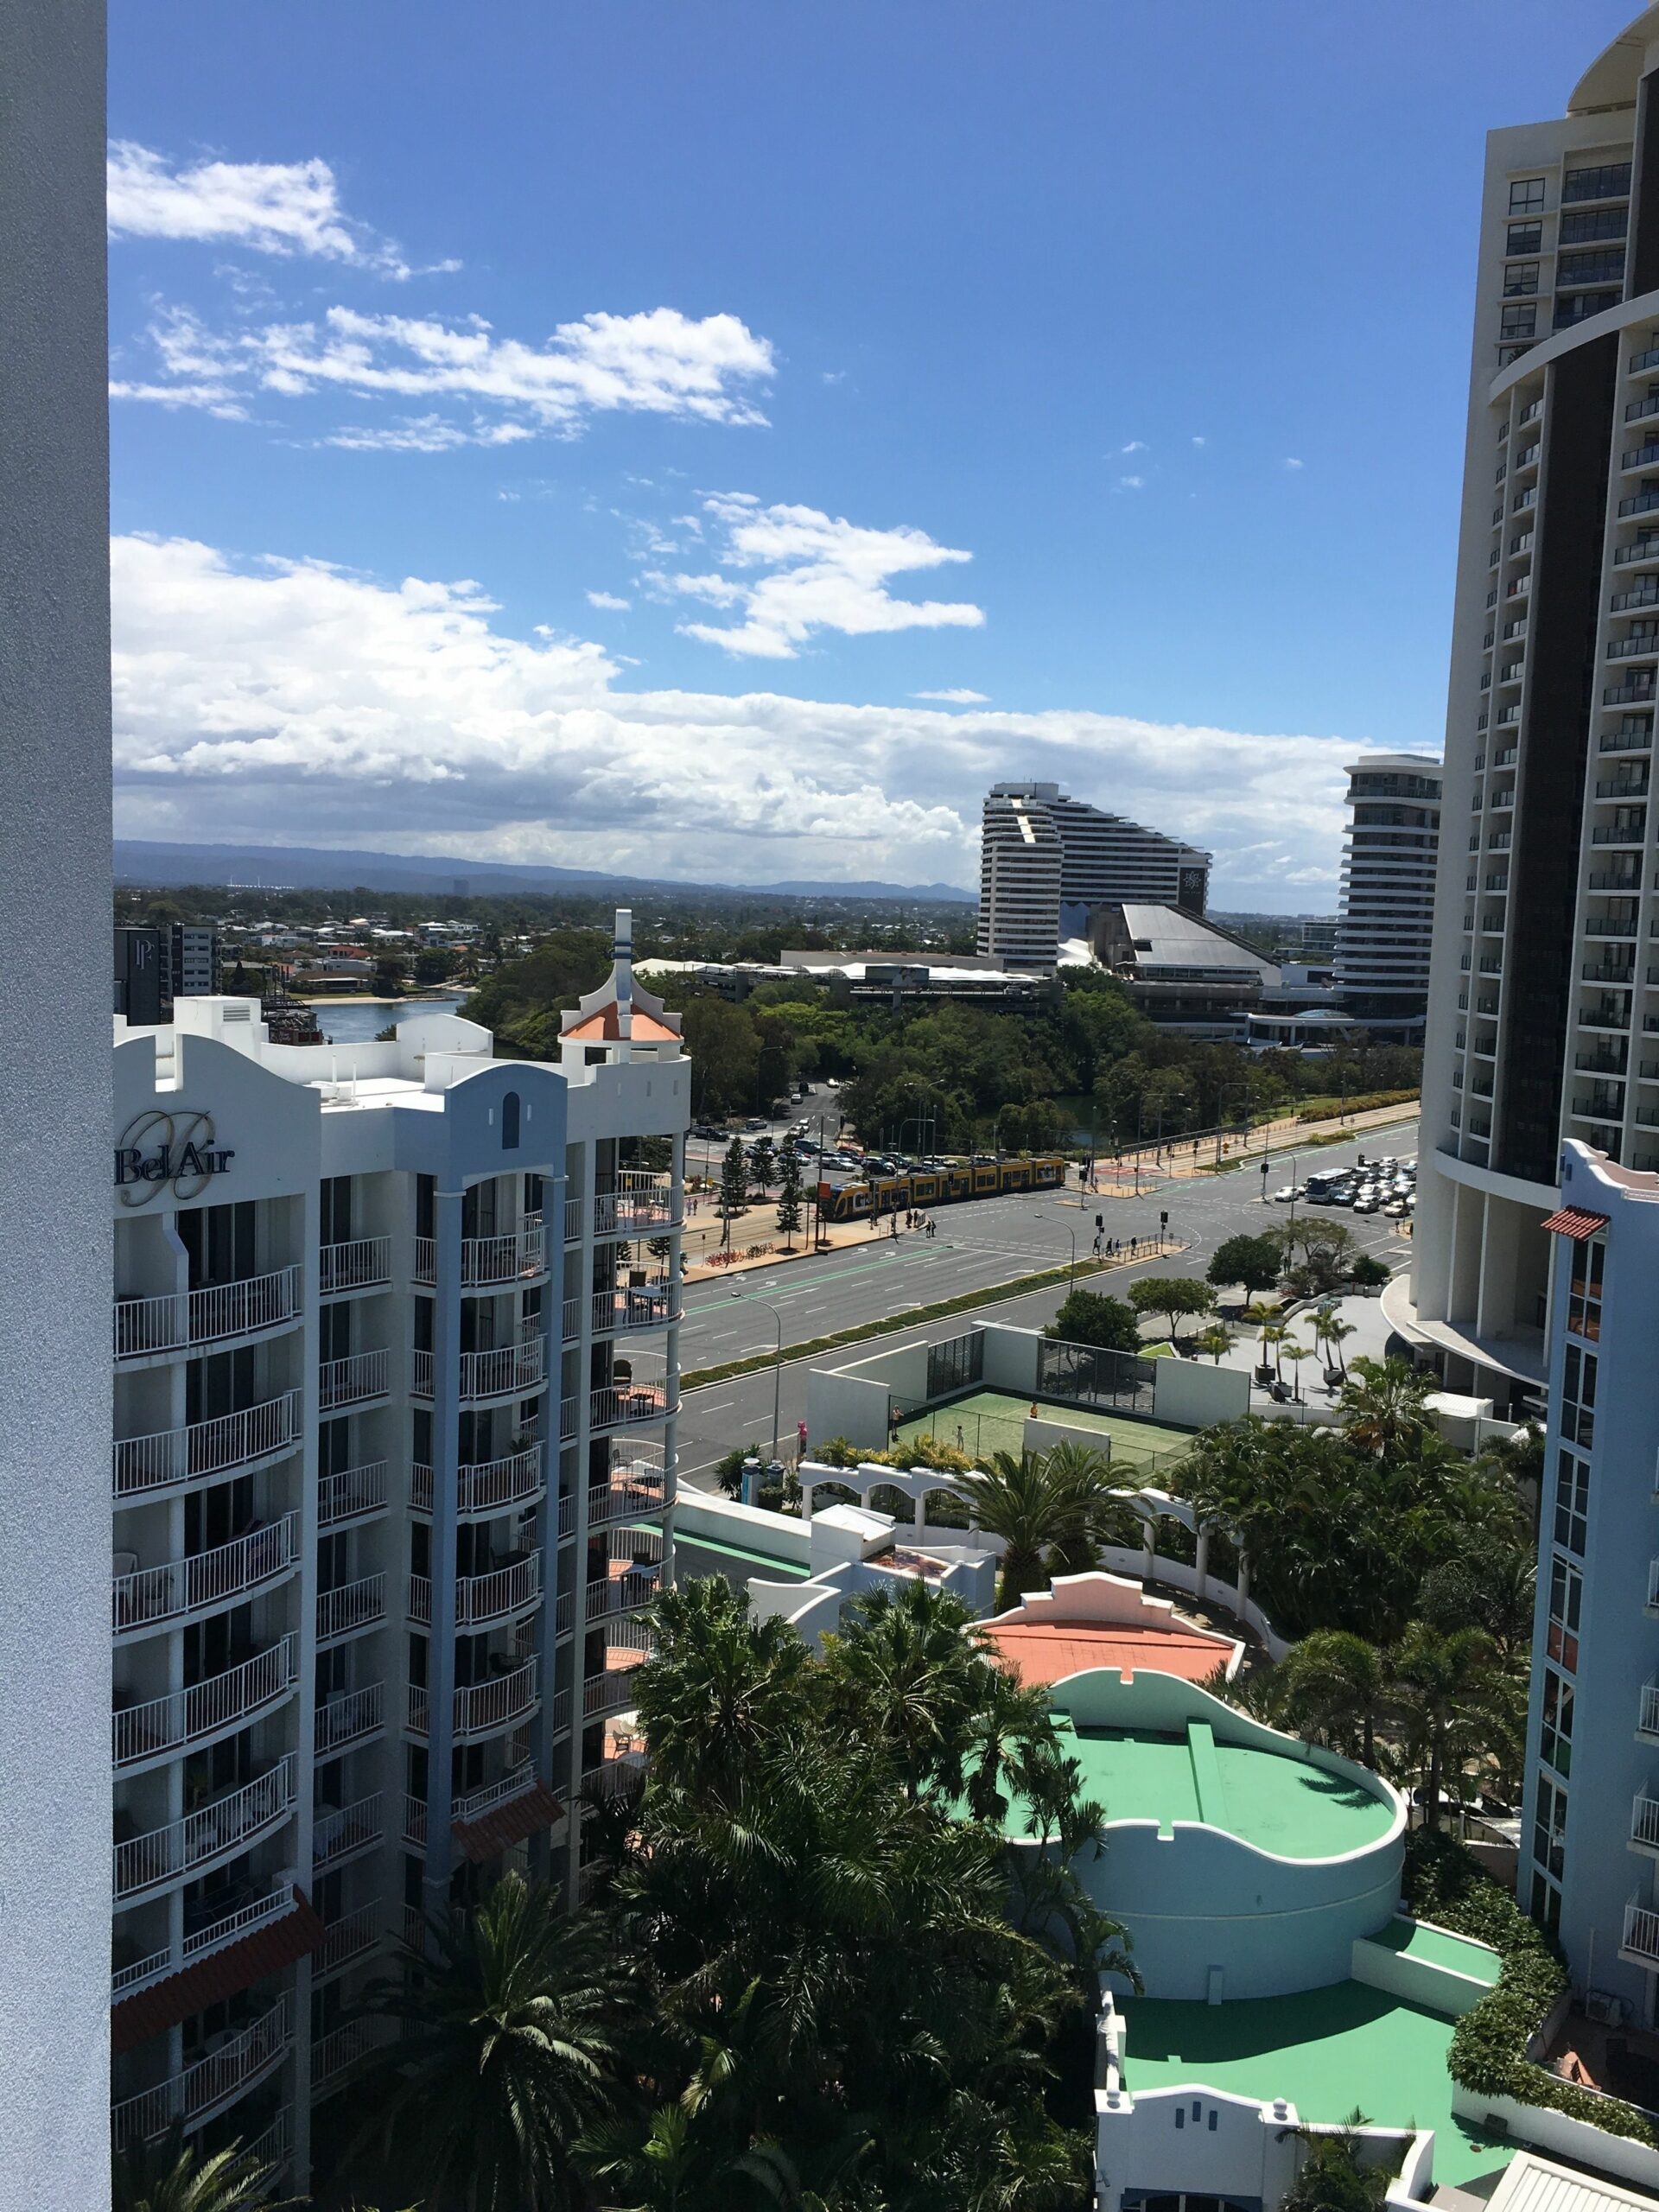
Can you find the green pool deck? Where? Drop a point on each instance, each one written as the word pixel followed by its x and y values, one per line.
pixel 1277 1802
pixel 769 1563
pixel 1327 2051
pixel 993 1420
pixel 1437 1946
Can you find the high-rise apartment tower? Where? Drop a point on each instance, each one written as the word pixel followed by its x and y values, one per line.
pixel 1544 992
pixel 1388 893
pixel 1041 852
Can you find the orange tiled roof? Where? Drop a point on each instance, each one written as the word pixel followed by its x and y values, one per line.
pixel 511 1823
pixel 1576 1223
pixel 238 1965
pixel 601 1027
pixel 1038 1653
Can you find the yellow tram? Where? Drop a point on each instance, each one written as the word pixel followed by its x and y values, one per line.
pixel 863 1196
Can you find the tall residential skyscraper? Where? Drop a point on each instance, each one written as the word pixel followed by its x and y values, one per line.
pixel 1041 851
pixel 395 1358
pixel 1387 891
pixel 54 1095
pixel 1542 997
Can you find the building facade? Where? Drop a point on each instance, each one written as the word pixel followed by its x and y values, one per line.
pixel 1047 861
pixel 1542 996
pixel 396 1376
pixel 1387 921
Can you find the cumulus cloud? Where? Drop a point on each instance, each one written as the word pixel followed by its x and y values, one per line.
pixel 1135 445
pixel 799 572
pixel 1131 483
pixel 958 696
pixel 1290 462
pixel 656 362
pixel 275 207
pixel 1200 441
pixel 257 700
pixel 609 601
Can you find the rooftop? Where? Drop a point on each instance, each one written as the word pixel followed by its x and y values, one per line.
pixel 1324 2049
pixel 1042 1651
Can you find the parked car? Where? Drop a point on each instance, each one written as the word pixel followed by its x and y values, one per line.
pixel 710 1130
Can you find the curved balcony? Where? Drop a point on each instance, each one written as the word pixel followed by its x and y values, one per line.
pixel 338 1837
pixel 215 2081
pixel 622 1405
pixel 628 1646
pixel 168 1458
pixel 204 1839
pixel 201 1943
pixel 353 1717
pixel 348 1940
pixel 500 1595
pixel 638 1204
pixel 349 1610
pixel 482 1709
pixel 489 1487
pixel 626 1310
pixel 363 1264
pixel 489 1262
pixel 352 1381
pixel 182 1320
pixel 152 1596
pixel 334 2055
pixel 353 1494
pixel 144 1735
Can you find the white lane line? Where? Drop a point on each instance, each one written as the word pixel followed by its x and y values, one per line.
pixel 716 1405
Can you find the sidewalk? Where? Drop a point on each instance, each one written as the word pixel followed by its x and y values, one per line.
pixel 1184 1158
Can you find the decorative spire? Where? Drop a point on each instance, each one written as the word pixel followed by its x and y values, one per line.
pixel 622 979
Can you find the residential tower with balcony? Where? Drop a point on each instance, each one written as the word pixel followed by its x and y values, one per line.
pixel 1386 925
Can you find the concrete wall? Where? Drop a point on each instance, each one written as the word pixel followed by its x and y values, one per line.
pixel 1563 2138
pixel 56 998
pixel 1192 1394
pixel 1010 1357
pixel 1416 1981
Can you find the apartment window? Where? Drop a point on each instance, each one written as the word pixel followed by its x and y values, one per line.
pixel 336 1209
pixel 1572 1502
pixel 1520 278
pixel 1525 238
pixel 1518 322
pixel 1583 1302
pixel 1608 181
pixel 1579 1397
pixel 1545 1905
pixel 1605 267
pixel 1555 1733
pixel 509 1113
pixel 1596 223
pixel 1580 306
pixel 1566 1598
pixel 1526 196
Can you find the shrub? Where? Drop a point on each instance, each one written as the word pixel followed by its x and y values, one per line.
pixel 1359 1102
pixel 1090 1317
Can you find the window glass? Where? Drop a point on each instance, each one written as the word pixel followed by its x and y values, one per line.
pixel 1525 238
pixel 1555 1734
pixel 1565 1595
pixel 1572 1502
pixel 1526 195
pixel 1518 322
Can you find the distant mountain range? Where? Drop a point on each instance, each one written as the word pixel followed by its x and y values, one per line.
pixel 313 867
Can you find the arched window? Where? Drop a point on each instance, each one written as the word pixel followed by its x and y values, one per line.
pixel 509 1121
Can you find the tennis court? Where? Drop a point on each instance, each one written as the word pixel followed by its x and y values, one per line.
pixel 992 1420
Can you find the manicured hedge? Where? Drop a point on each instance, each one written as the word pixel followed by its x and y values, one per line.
pixel 1446 1885
pixel 1362 1101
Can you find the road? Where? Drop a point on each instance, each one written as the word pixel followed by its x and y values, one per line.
pixel 977 1245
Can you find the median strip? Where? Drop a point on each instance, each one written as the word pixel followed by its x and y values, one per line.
pixel 993 1295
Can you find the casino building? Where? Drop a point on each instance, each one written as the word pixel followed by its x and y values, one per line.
pixel 395 1378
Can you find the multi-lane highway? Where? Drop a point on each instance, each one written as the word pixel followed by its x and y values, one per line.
pixel 976 1246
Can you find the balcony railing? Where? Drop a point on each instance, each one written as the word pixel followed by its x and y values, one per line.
pixel 227 1826
pixel 507 1367
pixel 642 1491
pixel 1640 1932
pixel 611 1777
pixel 608 1691
pixel 143 1466
pixel 608 1596
pixel 621 1404
pixel 351 1718
pixel 630 1306
pixel 482 1708
pixel 356 1605
pixel 223 1576
pixel 363 1264
pixel 337 1836
pixel 353 1937
pixel 206 1316
pixel 1642 647
pixel 334 2055
pixel 478 1802
pixel 490 1486
pixel 202 1943
pixel 481 1598
pixel 1644 1821
pixel 199 2091
pixel 351 1494
pixel 1647 1720
pixel 516 1255
pixel 637 1202
pixel 168 1724
pixel 348 1382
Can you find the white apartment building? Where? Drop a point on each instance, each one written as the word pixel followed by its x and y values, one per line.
pixel 395 1348
pixel 1042 853
pixel 1387 921
pixel 1543 1021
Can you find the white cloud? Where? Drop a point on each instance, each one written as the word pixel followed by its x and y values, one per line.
pixel 1131 483
pixel 1291 462
pixel 1135 445
pixel 260 702
pixel 426 433
pixel 658 362
pixel 609 601
pixel 822 573
pixel 1200 441
pixel 276 207
pixel 959 696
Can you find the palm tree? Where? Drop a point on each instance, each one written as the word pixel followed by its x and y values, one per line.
pixel 1336 1332
pixel 1331 2178
pixel 1039 1511
pixel 1109 1518
pixel 506 2056
pixel 1335 1682
pixel 1296 1354
pixel 1216 1340
pixel 718 1684
pixel 1383 1401
pixel 1261 1315
pixel 1450 1693
pixel 907 1664
pixel 1275 1333
pixel 170 2175
pixel 1009 1722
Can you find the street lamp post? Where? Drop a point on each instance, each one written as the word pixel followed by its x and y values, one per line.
pixel 777 1358
pixel 1071 1274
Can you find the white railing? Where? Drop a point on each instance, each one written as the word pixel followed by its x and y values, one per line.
pixel 228 1825
pixel 188 1716
pixel 351 1493
pixel 415 1821
pixel 412 1930
pixel 1653 1586
pixel 1641 1931
pixel 1648 1723
pixel 239 2061
pixel 651 1305
pixel 356 1604
pixel 504 1589
pixel 336 2053
pixel 644 1491
pixel 478 1802
pixel 347 1382
pixel 336 1835
pixel 507 1367
pixel 426 1259
pixel 272 2149
pixel 348 1939
pixel 419 1709
pixel 512 1256
pixel 235 1925
pixel 607 1693
pixel 482 1708
pixel 205 1316
pixel 637 1201
pixel 613 1777
pixel 361 1264
pixel 230 1571
pixel 491 1486
pixel 559 1713
pixel 620 1404
pixel 609 1595
pixel 144 1464
pixel 1644 1821
pixel 349 1719
pixel 420 1373
pixel 564 1614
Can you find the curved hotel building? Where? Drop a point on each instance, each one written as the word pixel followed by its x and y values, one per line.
pixel 396 1376
pixel 1543 1018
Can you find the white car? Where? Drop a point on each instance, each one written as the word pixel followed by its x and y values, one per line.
pixel 1367 1202
pixel 1290 1192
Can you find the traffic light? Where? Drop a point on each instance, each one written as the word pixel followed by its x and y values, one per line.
pixel 1163 1220
pixel 1100 1221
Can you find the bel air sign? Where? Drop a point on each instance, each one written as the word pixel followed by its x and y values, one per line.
pixel 178 1152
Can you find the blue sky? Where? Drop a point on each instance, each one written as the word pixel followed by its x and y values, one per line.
pixel 1128 342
